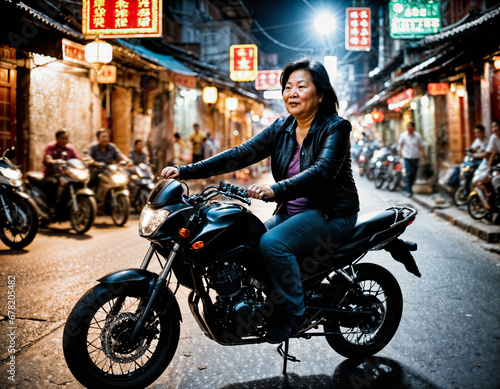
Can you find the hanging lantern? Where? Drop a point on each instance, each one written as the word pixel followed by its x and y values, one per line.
pixel 231 103
pixel 98 53
pixel 377 116
pixel 209 95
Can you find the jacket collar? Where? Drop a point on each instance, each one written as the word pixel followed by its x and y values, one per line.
pixel 291 123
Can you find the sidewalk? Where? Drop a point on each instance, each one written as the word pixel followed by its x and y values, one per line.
pixel 458 216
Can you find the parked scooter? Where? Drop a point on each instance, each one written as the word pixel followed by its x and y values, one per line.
pixel 140 185
pixel 18 212
pixel 112 195
pixel 123 333
pixel 483 202
pixel 465 187
pixel 383 167
pixel 74 200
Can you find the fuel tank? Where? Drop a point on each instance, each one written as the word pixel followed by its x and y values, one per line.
pixel 228 230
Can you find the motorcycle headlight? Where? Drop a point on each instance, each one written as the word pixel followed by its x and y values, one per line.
pixel 14 176
pixel 119 178
pixel 151 219
pixel 80 175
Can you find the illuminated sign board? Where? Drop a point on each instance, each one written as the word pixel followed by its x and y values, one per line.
pixel 438 88
pixel 121 18
pixel 358 29
pixel 401 99
pixel 243 62
pixel 409 19
pixel 268 80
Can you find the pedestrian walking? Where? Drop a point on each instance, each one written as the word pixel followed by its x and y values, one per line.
pixel 196 139
pixel 411 149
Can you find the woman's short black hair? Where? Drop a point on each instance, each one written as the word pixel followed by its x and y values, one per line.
pixel 320 79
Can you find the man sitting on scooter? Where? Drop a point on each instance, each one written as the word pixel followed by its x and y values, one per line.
pixel 137 155
pixel 55 150
pixel 103 152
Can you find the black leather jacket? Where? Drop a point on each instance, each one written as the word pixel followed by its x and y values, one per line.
pixel 325 164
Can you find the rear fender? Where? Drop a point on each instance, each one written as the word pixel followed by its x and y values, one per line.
pixel 143 281
pixel 400 251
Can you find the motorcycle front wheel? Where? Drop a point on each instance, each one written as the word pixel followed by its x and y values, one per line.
pixel 395 182
pixel 121 212
pixel 142 200
pixel 374 290
pixel 24 226
pixel 96 341
pixel 476 209
pixel 379 180
pixel 84 217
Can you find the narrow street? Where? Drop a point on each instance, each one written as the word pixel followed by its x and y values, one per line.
pixel 448 336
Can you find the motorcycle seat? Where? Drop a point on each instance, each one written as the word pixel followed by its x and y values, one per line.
pixel 35 176
pixel 371 223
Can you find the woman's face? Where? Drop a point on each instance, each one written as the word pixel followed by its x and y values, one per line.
pixel 300 95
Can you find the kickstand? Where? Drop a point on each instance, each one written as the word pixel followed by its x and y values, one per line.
pixel 286 356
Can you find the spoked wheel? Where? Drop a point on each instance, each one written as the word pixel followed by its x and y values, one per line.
pixel 97 344
pixel 121 211
pixel 460 196
pixel 84 217
pixel 377 295
pixel 24 226
pixel 476 209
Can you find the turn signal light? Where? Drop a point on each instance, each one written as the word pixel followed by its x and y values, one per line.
pixel 198 245
pixel 184 232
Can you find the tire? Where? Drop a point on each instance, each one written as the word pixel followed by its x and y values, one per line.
pixel 476 209
pixel 382 294
pixel 142 200
pixel 460 196
pixel 379 180
pixel 121 212
pixel 84 218
pixel 395 181
pixel 24 227
pixel 92 347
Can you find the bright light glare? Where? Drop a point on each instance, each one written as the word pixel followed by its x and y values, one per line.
pixel 325 23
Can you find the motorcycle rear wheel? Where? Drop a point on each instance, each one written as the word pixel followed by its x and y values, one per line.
pixel 381 294
pixel 121 212
pixel 24 226
pixel 95 340
pixel 476 209
pixel 460 196
pixel 84 218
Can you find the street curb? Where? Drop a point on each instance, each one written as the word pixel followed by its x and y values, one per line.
pixel 457 217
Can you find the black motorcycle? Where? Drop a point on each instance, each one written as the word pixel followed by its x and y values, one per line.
pixel 74 201
pixel 124 332
pixel 467 169
pixel 18 212
pixel 140 185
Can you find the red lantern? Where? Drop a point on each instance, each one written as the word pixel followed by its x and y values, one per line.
pixel 377 116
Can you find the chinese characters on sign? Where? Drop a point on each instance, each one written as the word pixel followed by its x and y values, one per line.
pixel 243 62
pixel 268 80
pixel 358 29
pixel 410 19
pixel 438 88
pixel 122 18
pixel 396 102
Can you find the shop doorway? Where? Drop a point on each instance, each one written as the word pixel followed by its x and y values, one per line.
pixel 7 108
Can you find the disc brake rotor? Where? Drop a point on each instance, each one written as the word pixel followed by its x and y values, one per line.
pixel 115 339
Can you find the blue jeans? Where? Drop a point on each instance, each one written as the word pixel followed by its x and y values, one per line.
pixel 411 167
pixel 290 238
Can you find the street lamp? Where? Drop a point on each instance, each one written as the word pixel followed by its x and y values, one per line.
pixel 209 95
pixel 325 23
pixel 98 53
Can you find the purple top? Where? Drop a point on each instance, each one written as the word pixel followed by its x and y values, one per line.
pixel 302 203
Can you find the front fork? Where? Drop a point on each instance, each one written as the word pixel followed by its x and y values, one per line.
pixel 6 209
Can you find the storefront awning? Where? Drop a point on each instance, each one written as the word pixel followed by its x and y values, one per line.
pixel 163 60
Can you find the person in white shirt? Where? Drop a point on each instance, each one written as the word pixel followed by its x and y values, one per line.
pixel 411 149
pixel 480 142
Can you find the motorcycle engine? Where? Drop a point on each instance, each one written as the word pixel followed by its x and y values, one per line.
pixel 238 306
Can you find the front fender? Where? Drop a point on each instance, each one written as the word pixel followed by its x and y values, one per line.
pixel 85 192
pixel 143 282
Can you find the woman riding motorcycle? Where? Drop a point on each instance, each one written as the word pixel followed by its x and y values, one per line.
pixel 315 190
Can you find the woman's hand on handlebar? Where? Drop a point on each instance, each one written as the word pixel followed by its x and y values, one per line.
pixel 259 191
pixel 170 172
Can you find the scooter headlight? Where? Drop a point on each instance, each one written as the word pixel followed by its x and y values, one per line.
pixel 14 176
pixel 80 175
pixel 119 178
pixel 151 219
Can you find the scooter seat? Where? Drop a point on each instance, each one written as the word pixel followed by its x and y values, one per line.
pixel 35 176
pixel 373 222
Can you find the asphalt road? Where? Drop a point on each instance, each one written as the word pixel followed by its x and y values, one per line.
pixel 449 336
